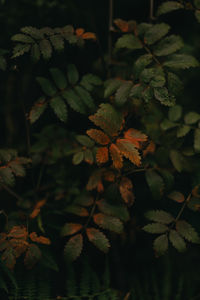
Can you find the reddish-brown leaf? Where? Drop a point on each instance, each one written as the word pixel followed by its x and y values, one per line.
pixel 122 25
pixel 109 176
pixel 33 254
pixel 99 136
pixel 18 232
pixel 9 258
pixel 79 31
pixel 89 36
pixel 149 149
pixel 35 213
pixel 127 148
pixel 39 239
pixel 102 155
pixel 116 156
pixel 126 192
pixel 70 228
pixel 177 196
pixel 94 180
pixel 19 246
pixel 135 136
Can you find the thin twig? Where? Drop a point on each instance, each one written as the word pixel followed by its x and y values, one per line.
pixel 183 207
pixel 151 16
pixel 11 192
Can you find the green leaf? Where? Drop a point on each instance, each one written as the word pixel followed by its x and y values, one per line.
pixel 142 62
pixel 77 158
pixel 197 3
pixel 17 168
pixel 85 140
pixel 176 196
pixel 162 95
pixel 57 42
pixel 197 15
pixel 89 156
pixel 59 107
pixel 37 110
pixel 128 41
pixel 74 101
pixel 187 231
pixel 175 85
pixel 177 160
pixel 183 130
pixel 197 140
pixel 175 113
pixel 76 210
pixel 72 74
pixel 35 53
pixel 122 93
pixel 59 78
pixel 169 6
pixel 159 216
pixel 111 87
pixel 46 49
pixel 191 118
pixel 33 32
pixel 99 239
pixel 168 45
pixel 155 183
pixel 85 96
pixel 73 247
pixel 88 81
pixel 20 49
pixel 160 244
pixel 177 241
pixel 6 176
pixel 46 86
pixel 119 211
pixel 22 38
pixel 181 61
pixel 166 124
pixel 155 228
pixel 70 228
pixel 108 222
pixel 155 33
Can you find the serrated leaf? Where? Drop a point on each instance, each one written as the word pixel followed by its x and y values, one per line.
pixel 155 228
pixel 78 157
pixel 175 113
pixel 119 211
pixel 85 96
pixel 74 101
pixel 197 140
pixel 35 52
pixel 98 136
pixel 45 48
pixel 126 191
pixel 168 45
pixel 59 78
pixel 102 155
pixel 57 42
pixel 162 95
pixel 128 41
pixel 98 238
pixel 160 244
pixel 156 32
pixel 168 6
pixel 17 168
pixel 88 156
pixel 37 110
pixel 160 216
pixel 155 183
pixel 33 32
pixel 187 231
pixel 72 74
pixel 183 130
pixel 22 38
pixel 85 140
pixel 181 61
pixel 77 210
pixel 128 150
pixel 46 86
pixel 108 222
pixel 166 124
pixel 88 81
pixel 177 160
pixel 70 228
pixel 177 241
pixel 33 254
pixel 73 247
pixel 175 85
pixel 116 156
pixel 122 93
pixel 191 118
pixel 59 107
pixel 142 62
pixel 111 86
pixel 20 49
pixel 6 176
pixel 176 196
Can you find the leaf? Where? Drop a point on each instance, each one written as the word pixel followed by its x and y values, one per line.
pixel 59 108
pixel 46 86
pixel 37 110
pixel 181 61
pixel 35 52
pixel 45 48
pixel 175 85
pixel 102 155
pixel 85 96
pixel 98 136
pixel 187 231
pixel 116 156
pixel 197 15
pixel 8 257
pixel 168 45
pixel 7 176
pixel 155 183
pixel 72 74
pixel 108 222
pixel 74 101
pixel 18 232
pixel 59 78
pixel 20 49
pixel 57 42
pixel 33 32
pixel 177 241
pixel 155 228
pixel 70 228
pixel 168 6
pixel 111 87
pixel 197 140
pixel 175 113
pixel 129 151
pixel 125 188
pixel 94 180
pixel 191 118
pixel 99 239
pixel 88 81
pixel 135 136
pixel 183 130
pixel 142 62
pixel 22 38
pixel 176 196
pixel 177 160
pixel 77 210
pixel 160 216
pixel 122 25
pixel 39 239
pixel 78 158
pixel 128 41
pixel 17 168
pixel 155 33
pixel 33 254
pixel 73 247
pixel 160 244
pixel 122 93
pixel 166 124
pixel 115 210
pixel 162 95
pixel 85 140
pixel 88 156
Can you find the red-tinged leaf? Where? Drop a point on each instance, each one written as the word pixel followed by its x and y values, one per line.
pixel 116 156
pixel 40 203
pixel 100 187
pixel 108 222
pixel 74 247
pixel 34 213
pixel 98 238
pixel 149 149
pixel 79 31
pixel 102 155
pixel 99 136
pixel 177 196
pixel 70 228
pixel 88 156
pixel 135 136
pixel 77 210
pixel 33 254
pixel 89 36
pixel 37 110
pixel 18 233
pixel 126 192
pixel 39 239
pixel 19 246
pixel 94 180
pixel 9 258
pixel 122 25
pixel 109 176
pixel 129 151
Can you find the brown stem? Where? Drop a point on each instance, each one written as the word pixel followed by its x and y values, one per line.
pixel 151 16
pixel 183 207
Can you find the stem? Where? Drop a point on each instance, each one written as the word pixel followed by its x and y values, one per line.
pixel 182 208
pixel 151 17
pixel 110 29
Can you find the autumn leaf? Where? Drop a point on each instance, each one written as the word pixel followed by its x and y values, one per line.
pixel 102 155
pixel 37 208
pixel 18 233
pixel 79 31
pixel 135 136
pixel 149 149
pixel 99 136
pixel 33 254
pixel 39 239
pixel 109 176
pixel 125 188
pixel 89 36
pixel 129 151
pixel 122 25
pixel 116 156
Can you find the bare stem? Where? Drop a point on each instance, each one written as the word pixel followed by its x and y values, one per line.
pixel 151 16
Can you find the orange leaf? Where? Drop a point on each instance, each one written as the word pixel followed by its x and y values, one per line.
pixel 19 246
pixel 102 155
pixel 99 136
pixel 100 187
pixel 40 203
pixel 18 232
pixel 79 31
pixel 109 176
pixel 89 36
pixel 125 188
pixel 35 213
pixel 129 151
pixel 33 254
pixel 122 25
pixel 116 156
pixel 9 258
pixel 149 149
pixel 135 136
pixel 94 180
pixel 39 239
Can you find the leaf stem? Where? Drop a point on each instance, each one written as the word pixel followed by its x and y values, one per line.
pixel 183 207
